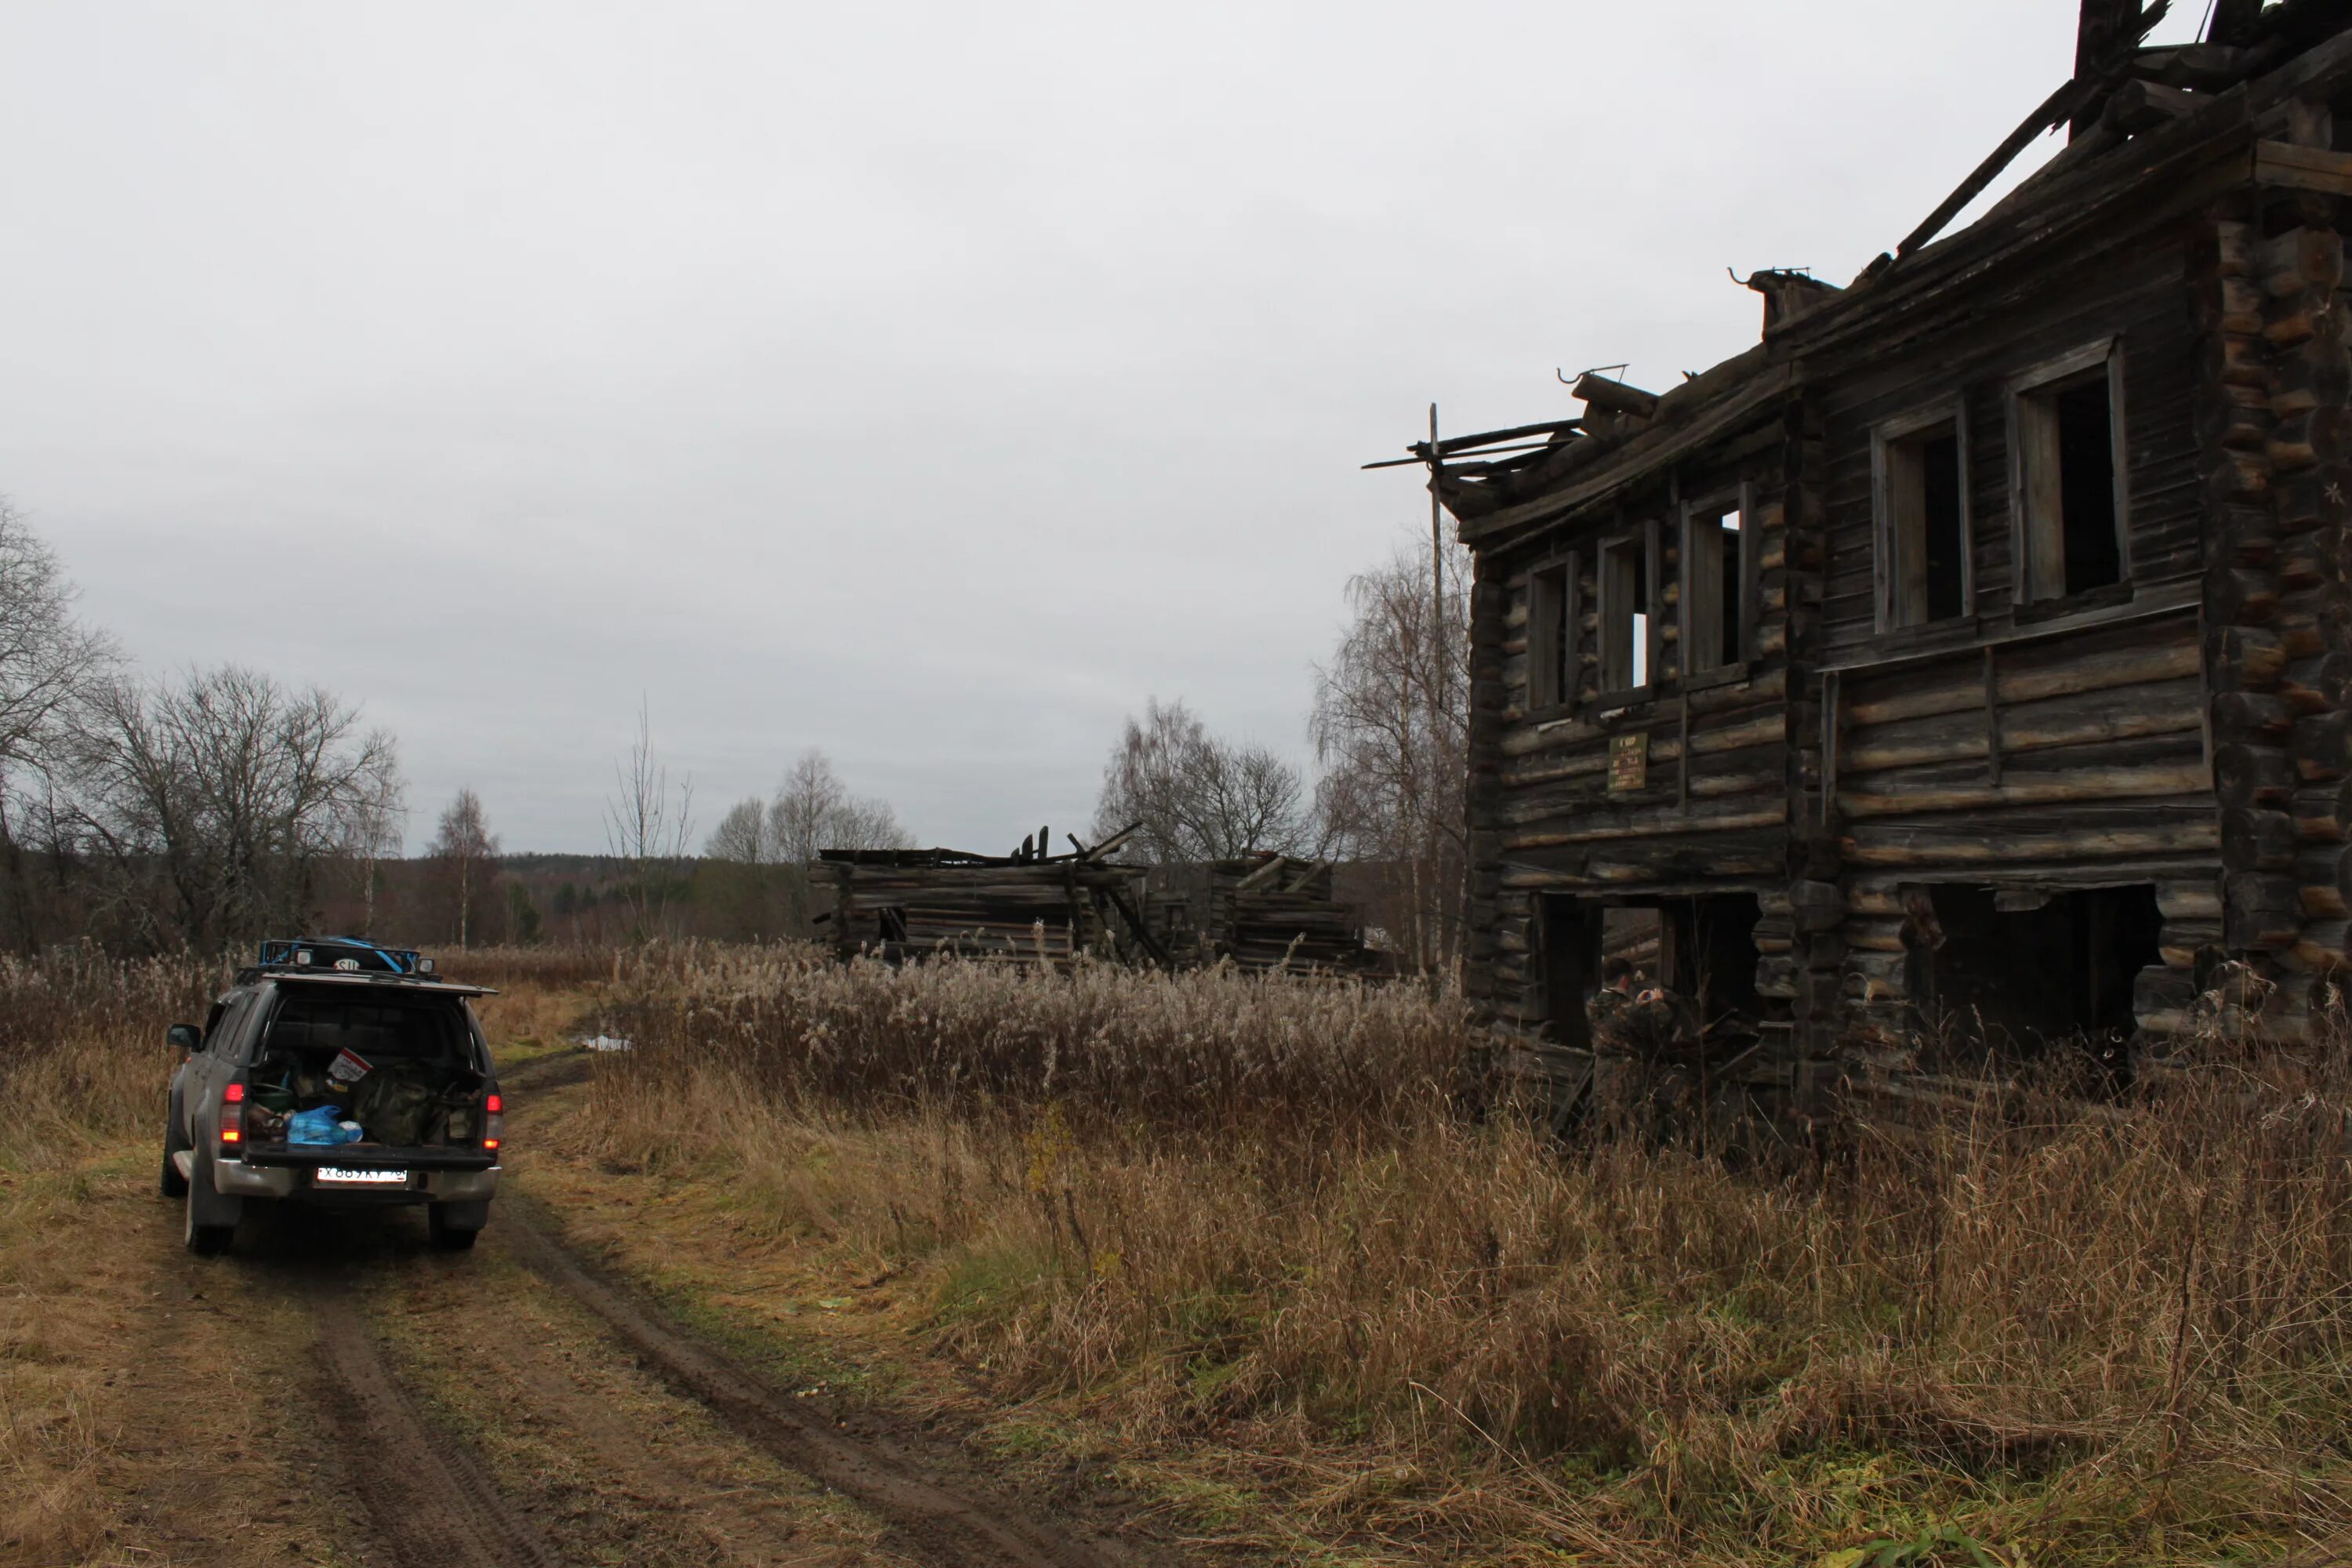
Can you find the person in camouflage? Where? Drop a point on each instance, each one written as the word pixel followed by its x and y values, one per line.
pixel 1646 1043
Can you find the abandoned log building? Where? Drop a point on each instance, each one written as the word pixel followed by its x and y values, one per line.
pixel 1976 645
pixel 1264 912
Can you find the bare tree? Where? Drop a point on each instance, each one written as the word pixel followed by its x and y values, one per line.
pixel 211 800
pixel 1391 726
pixel 47 659
pixel 764 846
pixel 468 850
pixel 646 831
pixel 814 810
pixel 379 829
pixel 741 836
pixel 48 662
pixel 1197 797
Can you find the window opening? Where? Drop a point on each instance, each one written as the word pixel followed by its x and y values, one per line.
pixel 1716 540
pixel 2010 973
pixel 1550 638
pixel 2087 487
pixel 2069 492
pixel 1625 615
pixel 1925 527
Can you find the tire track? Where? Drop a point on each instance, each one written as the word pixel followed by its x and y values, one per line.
pixel 427 1496
pixel 946 1523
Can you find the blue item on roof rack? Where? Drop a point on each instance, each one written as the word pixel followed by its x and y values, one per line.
pixel 344 952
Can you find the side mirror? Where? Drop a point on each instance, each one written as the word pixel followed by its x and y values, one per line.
pixel 186 1039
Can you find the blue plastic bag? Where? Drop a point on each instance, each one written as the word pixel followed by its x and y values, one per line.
pixel 320 1124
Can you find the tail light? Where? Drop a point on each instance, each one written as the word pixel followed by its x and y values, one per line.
pixel 494 1122
pixel 232 1118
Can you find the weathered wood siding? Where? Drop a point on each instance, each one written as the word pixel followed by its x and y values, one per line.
pixel 1713 814
pixel 2053 745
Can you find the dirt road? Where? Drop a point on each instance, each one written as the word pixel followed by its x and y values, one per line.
pixel 336 1391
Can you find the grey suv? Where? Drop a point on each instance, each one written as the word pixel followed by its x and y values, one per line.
pixel 340 1074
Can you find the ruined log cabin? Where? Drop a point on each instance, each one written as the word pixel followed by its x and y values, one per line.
pixel 1027 907
pixel 1975 646
pixel 1262 912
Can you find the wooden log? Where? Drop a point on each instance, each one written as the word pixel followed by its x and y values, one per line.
pixel 2321 746
pixel 2322 813
pixel 1817 906
pixel 2240 595
pixel 2258 840
pixel 2324 876
pixel 2301 259
pixel 2265 911
pixel 2240 417
pixel 2247 773
pixel 2189 900
pixel 2017 840
pixel 2323 946
pixel 2251 716
pixel 2180 942
pixel 2319 683
pixel 2314 556
pixel 2148 656
pixel 2168 708
pixel 2318 495
pixel 2306 441
pixel 2244 658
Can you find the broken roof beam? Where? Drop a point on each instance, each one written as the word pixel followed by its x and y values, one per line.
pixel 1557 429
pixel 2204 67
pixel 1614 396
pixel 2056 111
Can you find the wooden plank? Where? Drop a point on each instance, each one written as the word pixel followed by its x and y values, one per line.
pixel 1992 719
pixel 2302 168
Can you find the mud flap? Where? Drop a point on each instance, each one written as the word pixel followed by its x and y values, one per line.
pixel 208 1207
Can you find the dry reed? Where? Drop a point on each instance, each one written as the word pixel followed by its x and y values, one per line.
pixel 1243 1216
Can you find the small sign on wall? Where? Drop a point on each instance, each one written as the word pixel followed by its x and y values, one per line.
pixel 1629 761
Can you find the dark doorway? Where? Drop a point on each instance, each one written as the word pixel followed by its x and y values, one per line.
pixel 1715 953
pixel 1568 955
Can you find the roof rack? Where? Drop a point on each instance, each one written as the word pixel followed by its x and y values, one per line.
pixel 347 954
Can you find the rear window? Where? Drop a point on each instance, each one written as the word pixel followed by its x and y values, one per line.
pixel 377 1027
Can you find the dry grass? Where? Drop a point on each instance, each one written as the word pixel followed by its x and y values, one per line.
pixel 1240 1221
pixel 1237 1233
pixel 82 1055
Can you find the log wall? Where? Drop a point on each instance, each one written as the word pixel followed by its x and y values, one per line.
pixel 1712 813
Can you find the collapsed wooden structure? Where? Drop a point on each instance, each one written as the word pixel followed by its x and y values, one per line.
pixel 1974 647
pixel 1268 912
pixel 1263 912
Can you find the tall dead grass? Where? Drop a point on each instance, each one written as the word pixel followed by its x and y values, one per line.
pixel 1243 1216
pixel 81 1043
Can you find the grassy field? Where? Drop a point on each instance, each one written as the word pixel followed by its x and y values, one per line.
pixel 1241 1229
pixel 1234 1244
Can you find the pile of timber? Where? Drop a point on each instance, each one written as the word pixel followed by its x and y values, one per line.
pixel 1263 912
pixel 1027 907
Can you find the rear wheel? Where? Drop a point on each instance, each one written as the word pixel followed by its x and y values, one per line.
pixel 453 1232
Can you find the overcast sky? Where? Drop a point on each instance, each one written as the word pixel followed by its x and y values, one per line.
pixel 928 383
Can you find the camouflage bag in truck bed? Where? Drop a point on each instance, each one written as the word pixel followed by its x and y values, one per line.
pixel 393 1109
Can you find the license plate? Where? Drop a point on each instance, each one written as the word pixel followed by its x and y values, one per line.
pixel 345 1176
